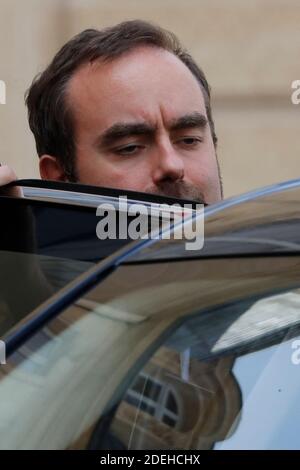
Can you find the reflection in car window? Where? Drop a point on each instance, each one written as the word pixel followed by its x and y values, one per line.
pixel 238 393
pixel 270 387
pixel 31 272
pixel 268 223
pixel 43 247
pixel 152 358
pixel 53 229
pixel 154 398
pixel 27 280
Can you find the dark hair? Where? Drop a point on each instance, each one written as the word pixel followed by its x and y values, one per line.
pixel 50 118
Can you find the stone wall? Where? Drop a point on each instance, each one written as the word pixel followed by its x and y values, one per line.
pixel 249 51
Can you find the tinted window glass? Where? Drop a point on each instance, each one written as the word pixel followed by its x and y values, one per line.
pixel 53 229
pixel 44 246
pixel 228 380
pixel 158 356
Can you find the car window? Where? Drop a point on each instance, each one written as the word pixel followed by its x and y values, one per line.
pixel 276 237
pixel 267 224
pixel 210 387
pixel 156 357
pixel 46 244
pixel 43 247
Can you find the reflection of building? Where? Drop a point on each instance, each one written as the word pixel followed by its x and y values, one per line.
pixel 164 411
pixel 39 355
pixel 175 402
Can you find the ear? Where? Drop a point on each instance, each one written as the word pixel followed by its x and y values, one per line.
pixel 51 169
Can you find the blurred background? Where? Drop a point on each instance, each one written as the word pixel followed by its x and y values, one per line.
pixel 250 52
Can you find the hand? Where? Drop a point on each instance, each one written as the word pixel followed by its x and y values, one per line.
pixel 7 175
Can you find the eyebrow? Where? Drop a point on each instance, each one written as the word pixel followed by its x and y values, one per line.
pixel 193 120
pixel 121 130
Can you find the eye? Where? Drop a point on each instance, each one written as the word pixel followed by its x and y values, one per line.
pixel 190 141
pixel 129 149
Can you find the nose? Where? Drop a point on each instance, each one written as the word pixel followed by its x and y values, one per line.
pixel 167 165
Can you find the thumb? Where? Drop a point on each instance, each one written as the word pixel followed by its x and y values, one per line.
pixel 7 175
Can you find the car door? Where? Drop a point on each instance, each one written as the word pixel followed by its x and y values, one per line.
pixel 169 351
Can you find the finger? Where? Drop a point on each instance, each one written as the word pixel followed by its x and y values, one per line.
pixel 7 175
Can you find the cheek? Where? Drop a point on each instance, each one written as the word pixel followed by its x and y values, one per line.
pixel 203 167
pixel 99 170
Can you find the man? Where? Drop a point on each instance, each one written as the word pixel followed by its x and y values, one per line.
pixel 126 107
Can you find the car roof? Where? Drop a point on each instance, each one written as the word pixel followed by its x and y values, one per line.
pixel 261 222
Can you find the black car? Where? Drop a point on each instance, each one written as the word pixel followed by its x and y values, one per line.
pixel 120 344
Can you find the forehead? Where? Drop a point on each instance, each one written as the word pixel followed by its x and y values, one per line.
pixel 144 84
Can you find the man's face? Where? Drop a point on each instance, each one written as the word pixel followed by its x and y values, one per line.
pixel 140 123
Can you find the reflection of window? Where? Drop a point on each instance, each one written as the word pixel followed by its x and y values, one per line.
pixel 154 398
pixel 39 353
